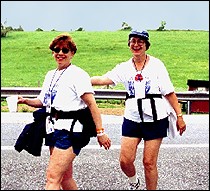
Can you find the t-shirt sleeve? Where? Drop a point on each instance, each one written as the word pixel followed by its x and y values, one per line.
pixel 116 74
pixel 165 82
pixel 84 85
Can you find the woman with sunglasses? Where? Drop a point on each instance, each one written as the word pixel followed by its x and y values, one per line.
pixel 150 95
pixel 66 90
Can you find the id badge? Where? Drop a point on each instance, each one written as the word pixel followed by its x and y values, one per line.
pixel 48 102
pixel 48 108
pixel 139 89
pixel 49 125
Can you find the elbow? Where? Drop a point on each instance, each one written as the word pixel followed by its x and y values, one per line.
pixel 169 94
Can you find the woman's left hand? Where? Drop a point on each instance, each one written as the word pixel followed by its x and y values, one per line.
pixel 104 141
pixel 181 126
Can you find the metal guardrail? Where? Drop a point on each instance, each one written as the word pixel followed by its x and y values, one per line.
pixel 32 92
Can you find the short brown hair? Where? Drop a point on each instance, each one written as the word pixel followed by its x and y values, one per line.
pixel 65 38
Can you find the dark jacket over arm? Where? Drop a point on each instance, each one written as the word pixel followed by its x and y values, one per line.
pixel 31 137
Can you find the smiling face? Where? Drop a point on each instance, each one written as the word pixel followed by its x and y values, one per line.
pixel 63 49
pixel 137 45
pixel 62 54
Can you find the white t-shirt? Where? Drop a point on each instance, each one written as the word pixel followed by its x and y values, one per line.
pixel 71 84
pixel 156 80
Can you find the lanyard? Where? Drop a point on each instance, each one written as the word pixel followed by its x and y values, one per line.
pixel 50 89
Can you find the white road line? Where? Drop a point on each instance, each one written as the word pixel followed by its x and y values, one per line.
pixel 118 146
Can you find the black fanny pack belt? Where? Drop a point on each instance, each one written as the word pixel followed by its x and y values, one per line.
pixel 152 102
pixel 84 116
pixel 64 115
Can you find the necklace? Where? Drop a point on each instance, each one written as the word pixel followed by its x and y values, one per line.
pixel 139 76
pixel 142 66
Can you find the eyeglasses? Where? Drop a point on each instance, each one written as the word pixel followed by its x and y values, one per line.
pixel 137 41
pixel 64 50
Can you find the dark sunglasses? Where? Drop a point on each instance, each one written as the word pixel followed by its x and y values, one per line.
pixel 64 50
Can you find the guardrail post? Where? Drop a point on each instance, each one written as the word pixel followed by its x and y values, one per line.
pixel 188 107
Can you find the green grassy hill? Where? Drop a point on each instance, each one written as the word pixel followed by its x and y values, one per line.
pixel 25 56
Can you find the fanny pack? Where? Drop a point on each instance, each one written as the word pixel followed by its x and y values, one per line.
pixel 84 116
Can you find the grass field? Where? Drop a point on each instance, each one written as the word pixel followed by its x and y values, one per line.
pixel 25 56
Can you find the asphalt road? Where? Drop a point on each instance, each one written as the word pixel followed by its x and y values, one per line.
pixel 183 162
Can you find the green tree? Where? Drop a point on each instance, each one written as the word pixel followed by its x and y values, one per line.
pixel 162 26
pixel 39 29
pixel 4 30
pixel 125 26
pixel 80 29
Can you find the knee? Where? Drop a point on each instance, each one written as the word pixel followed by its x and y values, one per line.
pixel 52 178
pixel 125 161
pixel 149 164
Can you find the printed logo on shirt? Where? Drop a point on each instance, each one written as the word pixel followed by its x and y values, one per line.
pixel 131 87
pixel 147 86
pixel 53 94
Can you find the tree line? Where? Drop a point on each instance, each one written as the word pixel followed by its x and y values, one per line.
pixel 125 26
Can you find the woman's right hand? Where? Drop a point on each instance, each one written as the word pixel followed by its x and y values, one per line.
pixel 21 99
pixel 104 141
pixel 30 102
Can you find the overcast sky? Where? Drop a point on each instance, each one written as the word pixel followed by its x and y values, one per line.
pixel 105 15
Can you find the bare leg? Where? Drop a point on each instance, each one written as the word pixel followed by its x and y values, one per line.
pixel 151 150
pixel 60 162
pixel 128 155
pixel 68 183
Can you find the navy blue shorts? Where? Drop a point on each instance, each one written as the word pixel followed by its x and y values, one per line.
pixel 60 139
pixel 145 130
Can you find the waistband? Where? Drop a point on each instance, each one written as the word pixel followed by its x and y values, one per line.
pixel 146 96
pixel 58 114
